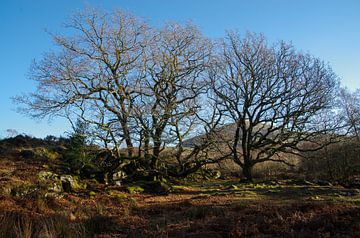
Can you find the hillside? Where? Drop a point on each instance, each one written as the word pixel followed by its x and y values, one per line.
pixel 225 133
pixel 30 205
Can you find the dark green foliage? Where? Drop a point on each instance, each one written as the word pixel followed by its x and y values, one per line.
pixel 77 154
pixel 27 154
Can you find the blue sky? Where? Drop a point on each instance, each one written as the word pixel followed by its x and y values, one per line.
pixel 328 29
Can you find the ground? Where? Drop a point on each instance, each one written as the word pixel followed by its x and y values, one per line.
pixel 211 208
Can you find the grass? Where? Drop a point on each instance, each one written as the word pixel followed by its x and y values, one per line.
pixel 218 208
pixel 211 208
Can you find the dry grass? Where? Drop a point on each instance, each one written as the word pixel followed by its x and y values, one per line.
pixel 219 208
pixel 216 208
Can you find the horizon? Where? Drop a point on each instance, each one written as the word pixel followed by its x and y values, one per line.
pixel 326 29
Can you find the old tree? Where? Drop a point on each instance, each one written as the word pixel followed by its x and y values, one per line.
pixel 144 91
pixel 139 89
pixel 273 95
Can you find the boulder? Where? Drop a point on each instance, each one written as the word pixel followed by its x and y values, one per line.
pixel 70 183
pixel 157 187
pixel 24 190
pixel 59 183
pixel 51 181
pixel 119 176
pixel 152 187
pixel 47 175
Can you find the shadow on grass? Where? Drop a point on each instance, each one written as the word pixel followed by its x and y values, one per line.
pixel 262 191
pixel 191 218
pixel 187 219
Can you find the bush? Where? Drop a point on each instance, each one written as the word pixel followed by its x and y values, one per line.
pixel 336 162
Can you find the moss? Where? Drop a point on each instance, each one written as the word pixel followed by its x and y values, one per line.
pixel 182 188
pixel 120 197
pixel 46 153
pixel 38 152
pixel 92 194
pixel 135 189
pixel 73 181
pixel 46 175
pixel 234 187
pixel 152 187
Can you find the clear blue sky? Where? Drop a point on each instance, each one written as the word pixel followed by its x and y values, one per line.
pixel 329 29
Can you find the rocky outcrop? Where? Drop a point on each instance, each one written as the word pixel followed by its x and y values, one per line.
pixel 56 184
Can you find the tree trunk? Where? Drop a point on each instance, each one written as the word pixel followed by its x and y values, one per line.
pixel 129 144
pixel 155 156
pixel 247 171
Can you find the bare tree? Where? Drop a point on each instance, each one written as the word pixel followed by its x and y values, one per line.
pixel 349 105
pixel 92 75
pixel 270 94
pixel 131 84
pixel 171 103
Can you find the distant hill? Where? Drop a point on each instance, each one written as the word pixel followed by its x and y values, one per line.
pixel 224 134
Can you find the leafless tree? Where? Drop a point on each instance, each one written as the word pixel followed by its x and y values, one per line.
pixel 271 95
pixel 152 88
pixel 92 75
pixel 349 105
pixel 171 105
pixel 134 86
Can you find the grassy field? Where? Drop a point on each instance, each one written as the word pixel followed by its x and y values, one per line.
pixel 211 208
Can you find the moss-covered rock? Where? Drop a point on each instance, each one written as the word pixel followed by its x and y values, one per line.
pixel 135 189
pixel 39 152
pixel 157 187
pixel 152 187
pixel 71 183
pixel 47 175
pixel 25 190
pixel 59 183
pixel 92 194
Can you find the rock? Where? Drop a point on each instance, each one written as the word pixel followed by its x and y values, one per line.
pixel 23 190
pixel 152 187
pixel 92 194
pixel 51 182
pixel 135 189
pixel 66 186
pixel 47 175
pixel 119 176
pixel 72 217
pixel 158 187
pixel 59 183
pixel 55 188
pixel 217 174
pixel 70 183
